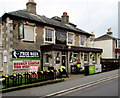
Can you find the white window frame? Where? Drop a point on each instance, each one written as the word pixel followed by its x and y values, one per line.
pixel 73 38
pixel 87 57
pixel 34 34
pixel 95 57
pixel 53 35
pixel 80 40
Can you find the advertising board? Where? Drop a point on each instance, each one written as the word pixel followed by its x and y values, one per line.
pixel 25 64
pixel 29 60
pixel 98 68
pixel 91 69
pixel 25 54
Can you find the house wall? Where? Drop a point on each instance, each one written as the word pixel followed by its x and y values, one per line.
pixel 12 42
pixel 1 54
pixel 76 38
pixel 107 46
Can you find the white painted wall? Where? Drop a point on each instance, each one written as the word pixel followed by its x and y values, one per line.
pixel 107 46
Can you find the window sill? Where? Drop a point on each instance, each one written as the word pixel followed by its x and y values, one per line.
pixel 48 42
pixel 82 46
pixel 70 44
pixel 28 41
pixel 47 63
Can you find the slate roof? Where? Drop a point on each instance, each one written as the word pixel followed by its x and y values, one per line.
pixel 104 37
pixel 44 20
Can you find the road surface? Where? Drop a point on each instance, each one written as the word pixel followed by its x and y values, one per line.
pixel 108 88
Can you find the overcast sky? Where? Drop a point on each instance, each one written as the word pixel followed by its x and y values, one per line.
pixel 89 15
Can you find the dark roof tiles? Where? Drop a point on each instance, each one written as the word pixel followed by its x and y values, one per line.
pixel 45 20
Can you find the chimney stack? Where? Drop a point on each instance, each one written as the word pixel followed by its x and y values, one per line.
pixel 65 18
pixel 110 32
pixel 31 6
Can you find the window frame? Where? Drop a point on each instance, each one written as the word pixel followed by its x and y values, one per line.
pixel 94 59
pixel 80 40
pixel 47 53
pixel 87 57
pixel 53 35
pixel 23 36
pixel 73 38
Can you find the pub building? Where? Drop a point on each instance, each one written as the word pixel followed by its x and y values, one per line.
pixel 32 42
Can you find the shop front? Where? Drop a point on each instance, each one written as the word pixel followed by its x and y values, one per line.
pixel 57 55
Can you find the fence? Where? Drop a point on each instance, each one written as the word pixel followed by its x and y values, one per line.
pixel 28 78
pixel 110 64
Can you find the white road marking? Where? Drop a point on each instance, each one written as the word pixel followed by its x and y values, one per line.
pixel 81 86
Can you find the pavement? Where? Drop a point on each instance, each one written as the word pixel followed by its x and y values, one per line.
pixel 74 76
pixel 73 81
pixel 71 77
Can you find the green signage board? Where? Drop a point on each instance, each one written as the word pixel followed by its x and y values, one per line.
pixel 91 69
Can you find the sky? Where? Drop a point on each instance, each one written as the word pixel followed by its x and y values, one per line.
pixel 89 15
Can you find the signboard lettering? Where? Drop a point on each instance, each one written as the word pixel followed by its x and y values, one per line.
pixel 25 64
pixel 25 54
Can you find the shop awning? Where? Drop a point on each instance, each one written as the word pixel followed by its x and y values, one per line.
pixel 69 48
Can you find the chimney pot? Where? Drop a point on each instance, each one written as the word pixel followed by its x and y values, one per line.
pixel 110 32
pixel 65 13
pixel 65 18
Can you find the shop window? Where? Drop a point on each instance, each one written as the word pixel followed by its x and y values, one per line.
pixel 70 39
pixel 85 56
pixel 63 53
pixel 26 32
pixel 75 54
pixel 94 57
pixel 70 58
pixel 57 58
pixel 118 55
pixel 75 57
pixel 47 57
pixel 49 35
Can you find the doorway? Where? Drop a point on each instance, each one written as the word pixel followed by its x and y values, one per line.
pixel 64 59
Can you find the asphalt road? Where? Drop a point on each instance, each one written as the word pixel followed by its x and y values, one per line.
pixel 108 88
pixel 52 88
